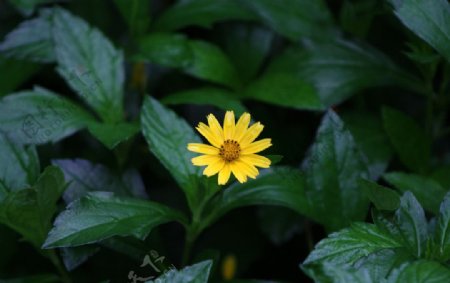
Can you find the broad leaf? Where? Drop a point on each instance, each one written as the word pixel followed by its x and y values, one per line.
pixel 430 20
pixel 90 64
pixel 111 135
pixel 421 271
pixel 334 194
pixel 197 273
pixel 39 116
pixel 408 138
pixel 383 198
pixel 98 216
pixel 442 233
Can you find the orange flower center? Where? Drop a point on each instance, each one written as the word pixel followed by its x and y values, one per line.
pixel 230 150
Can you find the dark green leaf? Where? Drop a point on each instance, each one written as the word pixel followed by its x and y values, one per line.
pixel 442 233
pixel 27 7
pixel 73 257
pixel 427 191
pixel 39 116
pixel 41 278
pixel 284 90
pixel 274 158
pixel 111 135
pixel 90 64
pixel 421 271
pixel 442 176
pixel 334 193
pixel 356 16
pixel 98 216
pixel 331 273
pixel 197 273
pixel 136 14
pixel 409 140
pixel 383 198
pixel 202 13
pixel 220 98
pixel 430 20
pixel 18 73
pixel 279 224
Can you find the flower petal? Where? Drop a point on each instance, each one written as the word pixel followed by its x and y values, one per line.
pixel 247 169
pixel 213 139
pixel 214 125
pixel 203 160
pixel 228 125
pixel 202 148
pixel 251 134
pixel 214 168
pixel 241 126
pixel 224 174
pixel 256 160
pixel 240 176
pixel 256 146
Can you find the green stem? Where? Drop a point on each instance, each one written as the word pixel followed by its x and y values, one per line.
pixel 309 235
pixel 64 275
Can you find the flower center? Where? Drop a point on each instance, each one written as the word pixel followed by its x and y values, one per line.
pixel 230 150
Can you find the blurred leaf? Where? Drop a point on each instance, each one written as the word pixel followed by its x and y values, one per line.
pixel 442 232
pixel 203 13
pixel 281 186
pixel 111 135
pixel 284 90
pixel 412 224
pixel 421 271
pixel 294 19
pixel 200 59
pixel 369 135
pixel 98 216
pixel 427 191
pixel 84 177
pixel 409 140
pixel 167 136
pixel 442 176
pixel 383 198
pixel 40 116
pixel 18 73
pixel 27 7
pixel 274 159
pixel 20 165
pixel 217 97
pixel 136 14
pixel 197 273
pixel 90 64
pixel 356 16
pixel 430 20
pixel 31 40
pixel 279 224
pixel 75 256
pixel 340 69
pixel 334 194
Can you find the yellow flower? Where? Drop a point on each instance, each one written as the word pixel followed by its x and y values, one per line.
pixel 233 148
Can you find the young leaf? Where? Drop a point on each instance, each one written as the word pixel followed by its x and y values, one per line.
pixel 420 271
pixel 334 194
pixel 98 216
pixel 40 116
pixel 409 140
pixel 427 191
pixel 442 232
pixel 197 273
pixel 111 135
pixel 90 64
pixel 430 20
pixel 383 198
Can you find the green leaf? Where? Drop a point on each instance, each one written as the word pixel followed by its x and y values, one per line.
pixel 421 271
pixel 217 97
pixel 430 20
pixel 203 13
pixel 27 7
pixel 31 40
pixel 409 140
pixel 20 167
pixel 284 90
pixel 334 194
pixel 40 116
pixel 294 19
pixel 18 73
pixel 167 136
pixel 442 232
pixel 136 15
pixel 356 17
pixel 275 158
pixel 412 224
pixel 75 256
pixel 383 198
pixel 84 177
pixel 111 135
pixel 197 273
pixel 98 216
pixel 427 191
pixel 340 69
pixel 197 58
pixel 90 64
pixel 338 274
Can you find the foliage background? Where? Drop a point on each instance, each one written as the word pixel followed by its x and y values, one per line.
pixel 102 96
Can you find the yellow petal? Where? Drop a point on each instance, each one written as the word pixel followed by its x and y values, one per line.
pixel 241 126
pixel 247 169
pixel 256 146
pixel 224 174
pixel 240 176
pixel 215 126
pixel 214 168
pixel 228 125
pixel 202 148
pixel 213 139
pixel 256 160
pixel 203 160
pixel 251 134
